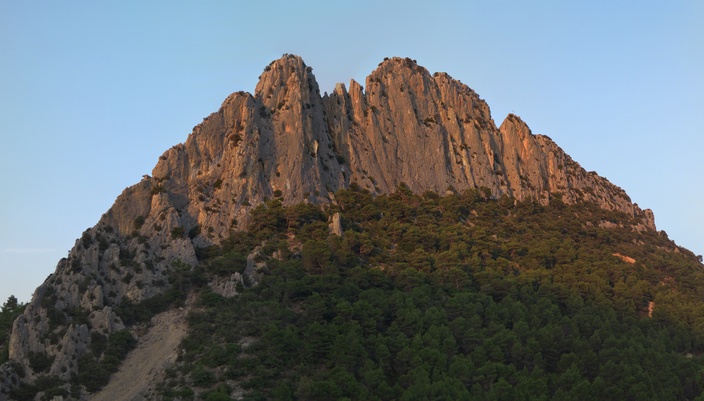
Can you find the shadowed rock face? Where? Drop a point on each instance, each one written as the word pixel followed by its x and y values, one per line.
pixel 430 132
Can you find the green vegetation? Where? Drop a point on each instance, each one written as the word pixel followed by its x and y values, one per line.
pixel 138 222
pixel 456 297
pixel 50 385
pixel 177 232
pixel 10 310
pixel 95 368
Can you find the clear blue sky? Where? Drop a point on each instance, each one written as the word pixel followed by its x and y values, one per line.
pixel 91 93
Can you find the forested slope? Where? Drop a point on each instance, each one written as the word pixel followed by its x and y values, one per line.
pixel 445 297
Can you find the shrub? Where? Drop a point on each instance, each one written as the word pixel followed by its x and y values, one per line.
pixel 178 232
pixel 193 232
pixel 40 361
pixel 138 222
pixel 92 374
pixel 217 396
pixel 202 377
pixel 86 239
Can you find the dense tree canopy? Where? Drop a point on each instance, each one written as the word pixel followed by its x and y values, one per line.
pixel 459 297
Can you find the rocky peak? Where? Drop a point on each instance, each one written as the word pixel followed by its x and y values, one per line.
pixel 430 132
pixel 287 81
pixel 397 66
pixel 514 126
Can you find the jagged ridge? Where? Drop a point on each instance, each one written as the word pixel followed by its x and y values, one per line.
pixel 430 132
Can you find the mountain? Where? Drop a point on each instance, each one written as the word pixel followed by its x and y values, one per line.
pixel 404 129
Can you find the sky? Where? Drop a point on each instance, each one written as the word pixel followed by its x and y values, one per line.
pixel 91 93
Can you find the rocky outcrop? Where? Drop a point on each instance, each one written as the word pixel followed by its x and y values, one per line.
pixel 405 125
pixel 432 132
pixel 227 286
pixel 336 225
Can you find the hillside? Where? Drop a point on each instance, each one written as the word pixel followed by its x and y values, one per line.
pixel 426 199
pixel 453 297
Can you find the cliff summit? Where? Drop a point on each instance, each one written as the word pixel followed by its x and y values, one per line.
pixel 404 126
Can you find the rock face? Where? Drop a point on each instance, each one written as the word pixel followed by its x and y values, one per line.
pixel 430 132
pixel 433 132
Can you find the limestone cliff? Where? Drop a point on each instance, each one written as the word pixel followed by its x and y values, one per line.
pixel 430 132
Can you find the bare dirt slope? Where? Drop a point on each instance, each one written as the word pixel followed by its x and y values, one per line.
pixel 156 351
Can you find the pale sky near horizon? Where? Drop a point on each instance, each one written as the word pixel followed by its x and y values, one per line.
pixel 91 93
